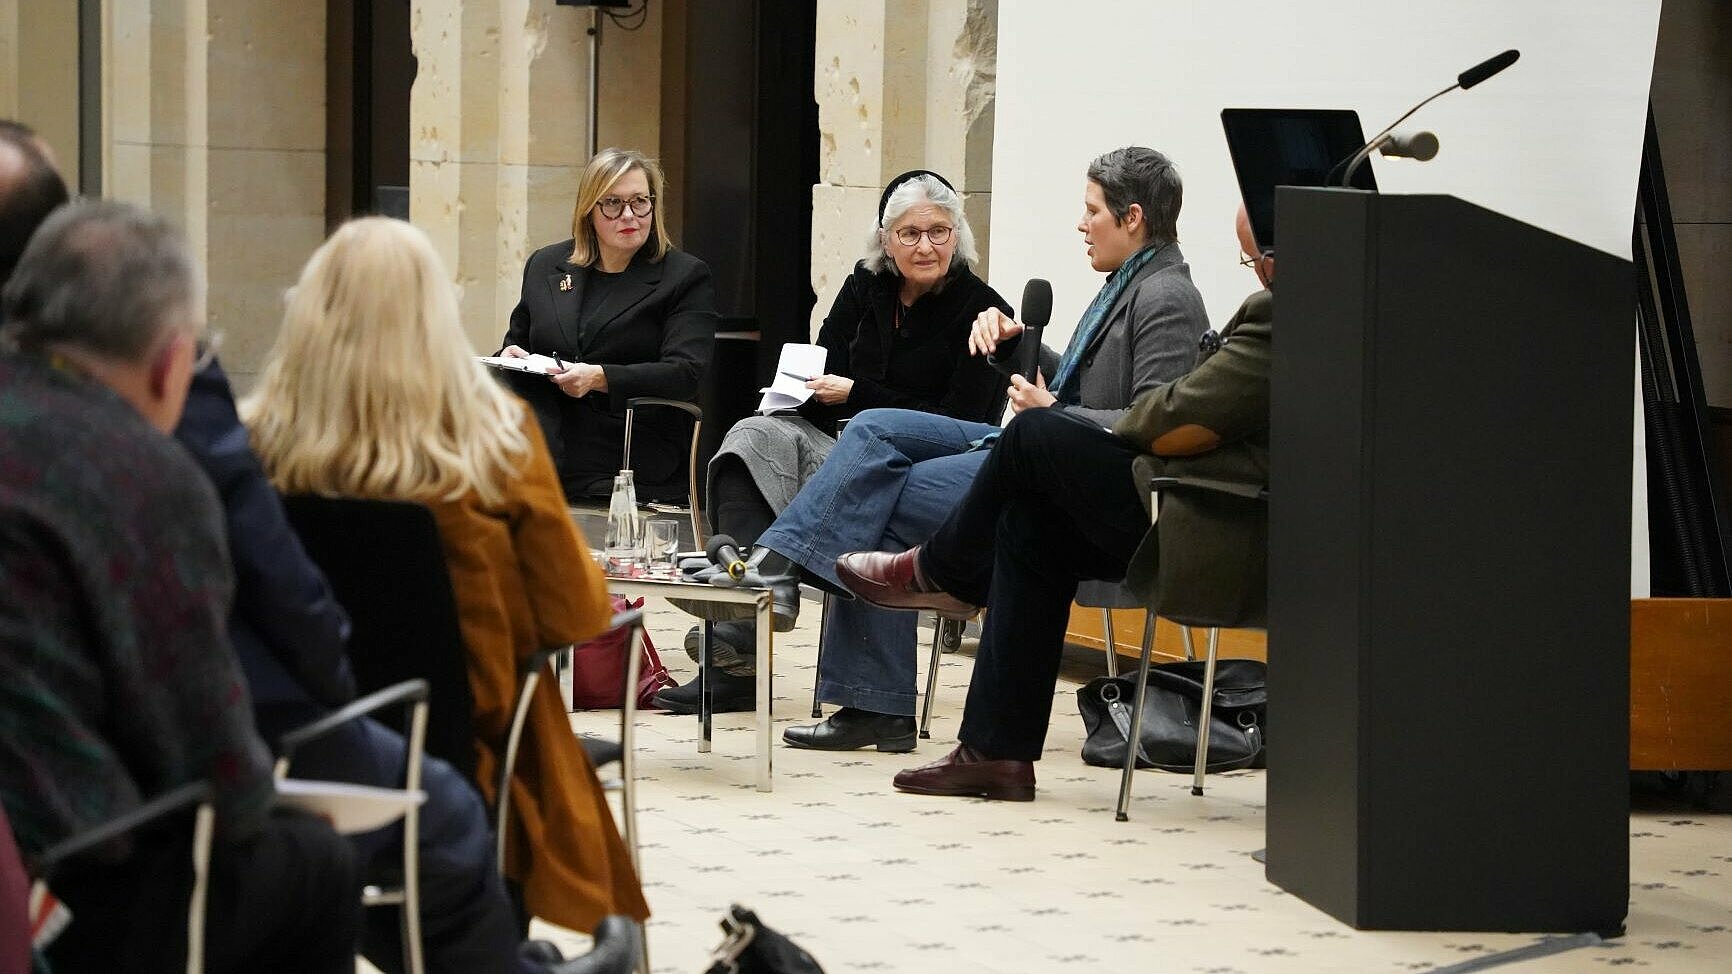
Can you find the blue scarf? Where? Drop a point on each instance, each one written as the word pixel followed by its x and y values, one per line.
pixel 1066 383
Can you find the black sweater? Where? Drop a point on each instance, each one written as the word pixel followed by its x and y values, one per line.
pixel 922 365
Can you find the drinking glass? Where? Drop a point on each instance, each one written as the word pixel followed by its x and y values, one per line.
pixel 661 544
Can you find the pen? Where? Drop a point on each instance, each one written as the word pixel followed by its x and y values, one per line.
pixel 802 378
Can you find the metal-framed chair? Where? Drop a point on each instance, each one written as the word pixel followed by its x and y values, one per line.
pixel 407 893
pixel 198 795
pixel 1256 493
pixel 383 558
pixel 694 506
pixel 1107 596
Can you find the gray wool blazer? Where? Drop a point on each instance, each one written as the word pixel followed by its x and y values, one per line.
pixel 1151 336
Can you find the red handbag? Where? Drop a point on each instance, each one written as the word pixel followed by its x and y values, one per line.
pixel 598 668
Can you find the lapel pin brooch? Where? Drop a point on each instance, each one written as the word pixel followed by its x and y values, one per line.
pixel 565 283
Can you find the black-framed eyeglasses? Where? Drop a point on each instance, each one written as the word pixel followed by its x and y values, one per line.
pixel 612 206
pixel 910 236
pixel 204 352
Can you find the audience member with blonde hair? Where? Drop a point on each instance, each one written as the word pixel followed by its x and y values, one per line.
pixel 371 392
pixel 624 314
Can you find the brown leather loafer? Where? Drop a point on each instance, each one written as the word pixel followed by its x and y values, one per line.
pixel 964 773
pixel 889 580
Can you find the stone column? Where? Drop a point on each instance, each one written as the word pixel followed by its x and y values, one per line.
pixel 214 117
pixel 901 84
pixel 39 73
pixel 497 119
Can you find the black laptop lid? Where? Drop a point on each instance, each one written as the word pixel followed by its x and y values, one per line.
pixel 1289 147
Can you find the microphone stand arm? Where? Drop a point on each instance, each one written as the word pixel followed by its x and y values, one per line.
pixel 1383 136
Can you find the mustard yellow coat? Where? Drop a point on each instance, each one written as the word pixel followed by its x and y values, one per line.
pixel 524 580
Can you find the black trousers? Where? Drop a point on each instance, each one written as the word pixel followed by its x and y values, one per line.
pixel 1054 504
pixel 286 899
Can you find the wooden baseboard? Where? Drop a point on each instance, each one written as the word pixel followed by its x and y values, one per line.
pixel 1680 674
pixel 1681 684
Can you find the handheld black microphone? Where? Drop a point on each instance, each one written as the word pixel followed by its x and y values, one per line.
pixel 1467 79
pixel 725 553
pixel 1036 312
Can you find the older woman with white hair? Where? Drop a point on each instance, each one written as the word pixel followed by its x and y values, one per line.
pixel 896 336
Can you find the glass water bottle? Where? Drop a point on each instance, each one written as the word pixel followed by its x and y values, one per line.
pixel 624 551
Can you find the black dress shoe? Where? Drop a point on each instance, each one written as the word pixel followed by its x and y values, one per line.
pixel 540 953
pixel 849 730
pixel 600 750
pixel 615 950
pixel 966 773
pixel 733 645
pixel 729 695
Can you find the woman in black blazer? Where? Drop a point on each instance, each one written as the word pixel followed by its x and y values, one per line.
pixel 625 314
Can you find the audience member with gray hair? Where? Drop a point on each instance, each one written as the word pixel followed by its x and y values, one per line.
pixel 896 336
pixel 112 621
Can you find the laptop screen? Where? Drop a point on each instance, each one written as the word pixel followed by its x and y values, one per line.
pixel 1289 147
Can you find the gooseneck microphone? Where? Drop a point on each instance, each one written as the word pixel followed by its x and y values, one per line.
pixel 725 553
pixel 1036 311
pixel 1465 80
pixel 1485 69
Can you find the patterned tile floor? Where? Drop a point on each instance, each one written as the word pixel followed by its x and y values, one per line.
pixel 871 880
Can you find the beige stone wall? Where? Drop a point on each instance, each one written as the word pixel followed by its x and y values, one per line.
pixel 497 121
pixel 901 84
pixel 214 115
pixel 39 73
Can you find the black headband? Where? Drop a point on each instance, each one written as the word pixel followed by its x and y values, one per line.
pixel 884 200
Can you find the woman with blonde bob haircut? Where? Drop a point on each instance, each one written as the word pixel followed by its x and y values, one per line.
pixel 622 313
pixel 371 392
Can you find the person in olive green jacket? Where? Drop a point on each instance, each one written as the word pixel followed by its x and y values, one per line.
pixel 1060 500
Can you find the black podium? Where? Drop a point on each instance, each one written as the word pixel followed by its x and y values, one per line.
pixel 1449 571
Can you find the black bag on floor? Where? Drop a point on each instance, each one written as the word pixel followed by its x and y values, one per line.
pixel 1169 731
pixel 749 947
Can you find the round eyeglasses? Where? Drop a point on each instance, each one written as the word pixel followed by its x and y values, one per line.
pixel 612 206
pixel 910 236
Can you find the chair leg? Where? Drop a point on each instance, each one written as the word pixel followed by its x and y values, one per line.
pixel 413 950
pixel 692 502
pixel 1112 642
pixel 1133 739
pixel 628 744
pixel 706 640
pixel 513 736
pixel 203 831
pixel 1190 648
pixel 818 670
pixel 932 678
pixel 1204 714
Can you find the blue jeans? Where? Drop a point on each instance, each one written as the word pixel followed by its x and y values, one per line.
pixel 892 478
